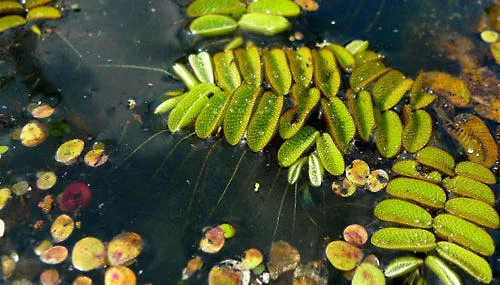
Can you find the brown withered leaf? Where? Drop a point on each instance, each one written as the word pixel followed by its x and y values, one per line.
pixel 452 88
pixel 483 86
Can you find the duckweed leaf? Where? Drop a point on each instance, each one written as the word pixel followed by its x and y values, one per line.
pixel 443 271
pixel 10 8
pixel 315 170
pixel 419 98
pixel 285 8
pixel 355 234
pixel 277 71
pixel 294 147
pixel 402 265
pixel 227 74
pixel 228 230
pixel 295 169
pixel 262 126
pixel 69 150
pixel 329 154
pixel 365 56
pixel 201 64
pixel 463 186
pixel 239 112
pixel 357 172
pixel 452 88
pixel 301 65
pixel 422 192
pixel 249 65
pixel 344 57
pixel 3 149
pixel 33 133
pixel 342 255
pixel 339 122
pixel 416 240
pixel 471 263
pixel 95 158
pixel 44 12
pixel 62 227
pixel 293 119
pixel 473 210
pixel 190 106
pixel 388 133
pixel 88 254
pixel 475 171
pixel 213 25
pixel 417 130
pixel 124 248
pixel 50 277
pixel 357 46
pixel 412 168
pixel 119 275
pixel 252 258
pixel 211 116
pixel 437 158
pixel 389 89
pixel 264 23
pixel 403 212
pixel 367 273
pixel 35 3
pixel 361 107
pixel 54 255
pixel 476 139
pixel 326 73
pixel 235 8
pixel 168 104
pixel 366 73
pixel 42 111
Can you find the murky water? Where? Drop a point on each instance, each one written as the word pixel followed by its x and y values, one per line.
pixel 176 184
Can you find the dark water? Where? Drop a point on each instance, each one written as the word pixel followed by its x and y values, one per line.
pixel 170 189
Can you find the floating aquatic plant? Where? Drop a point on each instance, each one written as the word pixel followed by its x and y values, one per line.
pixel 14 13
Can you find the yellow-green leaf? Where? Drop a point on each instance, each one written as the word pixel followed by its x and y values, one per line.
pixel 250 65
pixel 301 65
pixel 315 170
pixel 416 240
pixel 265 24
pixel 12 21
pixel 330 155
pixel 44 12
pixel 412 168
pixel 463 186
pixel 210 118
pixel 326 72
pixel 10 8
pixel 339 122
pixel 262 126
pixel 235 8
pixel 304 100
pixel 438 159
pixel 475 171
pixel 388 133
pixel 443 271
pixel 201 64
pixel 357 46
pixel 422 192
pixel 495 50
pixel 366 73
pixel 361 107
pixel 365 56
pixel 403 212
pixel 389 89
pixel 227 74
pixel 417 129
pixel 452 88
pixel 35 3
pixel 285 8
pixel 343 255
pixel 168 104
pixel 402 265
pixel 277 71
pixel 367 273
pixel 295 169
pixel 213 25
pixel 344 57
pixel 473 210
pixel 294 147
pixel 419 98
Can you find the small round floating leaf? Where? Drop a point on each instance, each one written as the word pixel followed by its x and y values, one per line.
pixel 294 147
pixel 213 25
pixel 377 180
pixel 228 230
pixel 419 98
pixel 402 265
pixel 33 134
pixel 473 210
pixel 489 36
pixel 123 248
pixel 69 151
pixel 339 122
pixel 315 170
pixel 293 119
pixel 475 137
pixel 82 280
pixel 227 74
pixel 301 65
pixel 201 64
pixel 464 233
pixel 389 89
pixel 54 255
pixel 20 188
pixel 388 133
pixel 346 189
pixel 213 240
pixel 250 65
pixel 463 186
pixel 61 228
pixel 366 73
pixel 42 111
pixel 417 130
pixel 361 107
pixel 452 88
pixel 46 180
pixel 357 172
pixel 471 263
pixel 239 111
pixel 45 12
pixel 264 23
pixel 475 171
pixel 264 121
pixel 88 254
pixel 168 105
pixel 416 240
pixel 438 159
pixel 422 192
pixel 212 115
pixel 443 271
pixel 355 234
pixel 326 72
pixel 412 168
pixel 252 258
pixel 330 156
pixel 403 212
pixel 357 46
pixel 35 3
pixel 277 71
pixel 10 8
pixel 12 21
pixel 190 106
pixel 4 197
pixel 295 169
pixel 284 8
pixel 345 58
pixel 343 255
pixel 120 275
pixel 50 277
pixel 235 8
pixel 95 158
pixel 224 276
pixel 367 273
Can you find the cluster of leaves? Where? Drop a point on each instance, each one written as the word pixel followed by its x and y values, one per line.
pixel 13 13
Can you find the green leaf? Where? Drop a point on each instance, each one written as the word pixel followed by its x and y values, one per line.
pixel 475 171
pixel 417 130
pixel 284 8
pixel 44 12
pixel 330 155
pixel 304 100
pixel 301 65
pixel 3 149
pixel 361 107
pixel 412 168
pixel 213 25
pixel 10 8
pixel 388 133
pixel 367 273
pixel 9 22
pixel 315 170
pixel 227 74
pixel 403 212
pixel 326 73
pixel 366 73
pixel 211 116
pixel 262 126
pixel 416 240
pixel 185 75
pixel 295 169
pixel 473 210
pixel 265 24
pixel 437 158
pixel 344 57
pixel 443 271
pixel 422 192
pixel 250 65
pixel 294 147
pixel 419 98
pixel 343 255
pixel 202 66
pixel 401 266
pixel 463 186
pixel 277 71
pixel 339 122
pixel 168 104
pixel 389 89
pixel 357 46
pixel 235 8
pixel 365 56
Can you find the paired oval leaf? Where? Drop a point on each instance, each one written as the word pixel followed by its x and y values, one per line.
pixel 263 124
pixel 388 133
pixel 357 46
pixel 463 186
pixel 473 210
pixel 201 64
pixel 294 147
pixel 412 168
pixel 422 192
pixel 315 170
pixel 437 158
pixel 419 98
pixel 213 25
pixel 443 271
pixel 249 65
pixel 295 169
pixel 389 89
pixel 330 156
pixel 475 171
pixel 326 73
pixel 366 73
pixel 339 122
pixel 361 107
pixel 277 71
pixel 210 118
pixel 416 240
pixel 44 12
pixel 235 8
pixel 10 8
pixel 12 21
pixel 301 65
pixel 403 212
pixel 285 8
pixel 304 100
pixel 168 104
pixel 264 23
pixel 344 57
pixel 35 3
pixel 227 74
pixel 402 265
pixel 417 130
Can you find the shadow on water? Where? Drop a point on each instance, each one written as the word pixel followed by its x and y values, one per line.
pixel 174 185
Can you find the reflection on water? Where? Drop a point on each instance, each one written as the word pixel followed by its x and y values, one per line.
pixel 174 185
